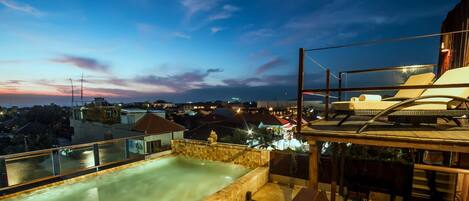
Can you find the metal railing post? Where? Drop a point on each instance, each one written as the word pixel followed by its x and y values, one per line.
pixel 299 105
pixel 326 97
pixel 3 173
pixel 55 162
pixel 127 152
pixel 340 87
pixel 96 155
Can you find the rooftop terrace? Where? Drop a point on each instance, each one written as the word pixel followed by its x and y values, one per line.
pixel 433 115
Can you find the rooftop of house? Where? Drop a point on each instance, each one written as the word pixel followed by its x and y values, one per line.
pixel 32 128
pixel 229 115
pixel 264 118
pixel 202 132
pixel 153 124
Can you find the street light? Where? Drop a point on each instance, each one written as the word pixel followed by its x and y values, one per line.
pixel 249 131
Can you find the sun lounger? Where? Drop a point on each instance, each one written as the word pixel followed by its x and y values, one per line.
pixel 363 108
pixel 431 104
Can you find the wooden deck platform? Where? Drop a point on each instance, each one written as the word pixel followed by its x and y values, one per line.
pixel 444 137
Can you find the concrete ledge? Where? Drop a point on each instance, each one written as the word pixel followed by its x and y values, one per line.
pixel 158 155
pixel 227 153
pixel 285 180
pixel 236 191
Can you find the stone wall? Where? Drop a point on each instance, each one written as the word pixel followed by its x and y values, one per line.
pixel 236 191
pixel 228 153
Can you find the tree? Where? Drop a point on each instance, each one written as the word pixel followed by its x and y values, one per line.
pixel 239 137
pixel 264 137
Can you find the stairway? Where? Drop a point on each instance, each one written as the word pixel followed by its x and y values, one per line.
pixel 445 184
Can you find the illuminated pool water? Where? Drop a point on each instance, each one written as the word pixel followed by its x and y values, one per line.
pixel 171 178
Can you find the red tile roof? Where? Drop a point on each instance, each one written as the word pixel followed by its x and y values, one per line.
pixel 265 118
pixel 152 124
pixel 282 121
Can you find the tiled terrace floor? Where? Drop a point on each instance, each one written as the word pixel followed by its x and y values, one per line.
pixel 276 192
pixel 279 192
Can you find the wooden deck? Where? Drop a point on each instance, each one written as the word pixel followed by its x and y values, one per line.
pixel 444 137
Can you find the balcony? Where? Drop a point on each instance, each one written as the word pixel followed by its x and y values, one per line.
pixel 431 118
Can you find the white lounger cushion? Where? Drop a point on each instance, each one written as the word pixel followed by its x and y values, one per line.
pixel 420 79
pixel 369 97
pixel 381 105
pixel 454 76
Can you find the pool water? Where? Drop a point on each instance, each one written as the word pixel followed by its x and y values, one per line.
pixel 170 178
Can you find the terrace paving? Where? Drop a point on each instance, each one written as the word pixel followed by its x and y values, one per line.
pixel 276 192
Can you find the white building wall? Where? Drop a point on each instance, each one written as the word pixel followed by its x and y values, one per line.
pixel 178 135
pixel 165 138
pixel 85 132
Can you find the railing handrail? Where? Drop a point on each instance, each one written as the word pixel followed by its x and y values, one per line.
pixel 441 169
pixel 389 68
pixel 43 151
pixel 64 174
pixel 382 88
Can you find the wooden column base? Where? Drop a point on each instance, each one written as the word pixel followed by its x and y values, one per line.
pixel 313 165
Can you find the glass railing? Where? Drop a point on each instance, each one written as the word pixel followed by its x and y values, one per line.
pixel 36 166
pixel 29 168
pixel 73 159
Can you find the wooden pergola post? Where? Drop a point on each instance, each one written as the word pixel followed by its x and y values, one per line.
pixel 299 101
pixel 313 165
pixel 465 188
pixel 334 171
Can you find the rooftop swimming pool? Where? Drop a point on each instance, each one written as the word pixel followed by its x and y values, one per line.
pixel 168 178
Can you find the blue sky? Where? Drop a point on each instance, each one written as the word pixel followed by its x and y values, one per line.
pixel 196 50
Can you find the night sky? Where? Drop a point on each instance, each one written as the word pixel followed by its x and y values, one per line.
pixel 198 50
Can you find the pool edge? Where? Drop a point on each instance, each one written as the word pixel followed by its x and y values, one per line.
pixel 236 191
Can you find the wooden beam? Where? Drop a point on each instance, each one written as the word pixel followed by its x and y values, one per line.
pixel 313 165
pixel 442 169
pixel 390 143
pixel 465 188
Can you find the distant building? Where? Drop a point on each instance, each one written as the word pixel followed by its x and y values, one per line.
pixel 131 116
pixel 34 133
pixel 285 107
pixel 158 132
pixel 224 121
pixel 160 104
pixel 98 111
pixel 454 48
pixel 97 125
pixel 209 106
